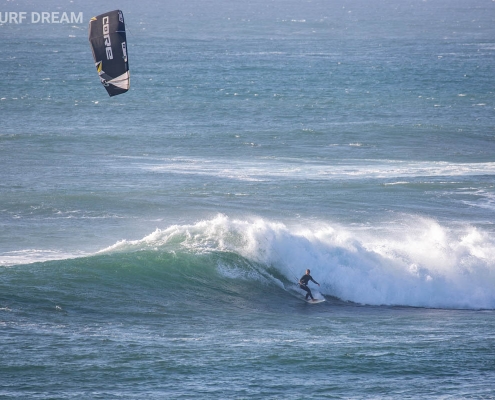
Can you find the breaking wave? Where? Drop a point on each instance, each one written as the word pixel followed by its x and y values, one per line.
pixel 417 263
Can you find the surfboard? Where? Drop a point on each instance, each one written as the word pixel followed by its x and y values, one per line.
pixel 315 301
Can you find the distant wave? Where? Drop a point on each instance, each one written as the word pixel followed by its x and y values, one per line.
pixel 268 169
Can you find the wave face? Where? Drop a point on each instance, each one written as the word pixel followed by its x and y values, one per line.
pixel 252 262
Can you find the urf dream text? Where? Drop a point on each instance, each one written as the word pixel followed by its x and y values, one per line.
pixel 45 17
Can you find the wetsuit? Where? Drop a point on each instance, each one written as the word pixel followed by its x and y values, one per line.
pixel 303 284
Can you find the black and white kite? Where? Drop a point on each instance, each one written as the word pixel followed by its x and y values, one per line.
pixel 108 42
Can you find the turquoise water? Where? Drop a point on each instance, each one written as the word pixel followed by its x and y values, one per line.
pixel 150 242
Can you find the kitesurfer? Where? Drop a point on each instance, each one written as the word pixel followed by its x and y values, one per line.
pixel 303 284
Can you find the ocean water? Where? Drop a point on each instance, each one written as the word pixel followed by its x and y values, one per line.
pixel 150 242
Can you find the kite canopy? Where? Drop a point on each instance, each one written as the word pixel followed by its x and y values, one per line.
pixel 108 42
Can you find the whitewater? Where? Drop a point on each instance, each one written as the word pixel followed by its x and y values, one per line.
pixel 428 267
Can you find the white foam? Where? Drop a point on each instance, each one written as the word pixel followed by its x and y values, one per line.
pixel 263 169
pixel 29 256
pixel 411 262
pixel 481 198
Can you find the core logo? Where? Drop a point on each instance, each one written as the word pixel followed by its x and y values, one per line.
pixel 106 36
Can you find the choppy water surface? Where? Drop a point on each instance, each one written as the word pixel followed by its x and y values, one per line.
pixel 150 242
